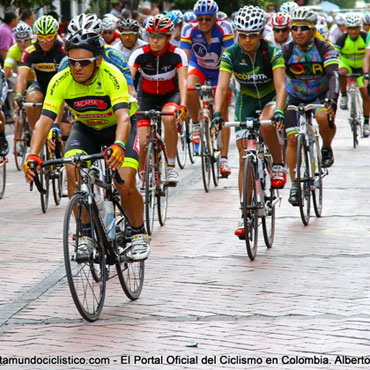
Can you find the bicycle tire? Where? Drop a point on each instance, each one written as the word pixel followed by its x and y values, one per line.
pixel 20 144
pixel 302 175
pixel 3 161
pixel 150 188
pixel 205 156
pixel 162 189
pixel 353 119
pixel 270 194
pixel 317 193
pixel 90 301
pixel 44 181
pixel 190 144
pixel 250 207
pixel 130 273
pixel 57 183
pixel 359 112
pixel 215 161
pixel 181 147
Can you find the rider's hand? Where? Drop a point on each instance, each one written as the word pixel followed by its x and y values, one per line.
pixel 217 122
pixel 118 155
pixel 28 173
pixel 331 107
pixel 278 119
pixel 51 145
pixel 181 114
pixel 18 101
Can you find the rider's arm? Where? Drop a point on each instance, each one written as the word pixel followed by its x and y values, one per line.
pixel 188 52
pixel 123 124
pixel 182 74
pixel 22 77
pixel 8 71
pixel 222 89
pixel 40 133
pixel 280 88
pixel 330 60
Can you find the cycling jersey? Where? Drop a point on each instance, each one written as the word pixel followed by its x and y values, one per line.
pixel 13 58
pixel 311 72
pixel 118 44
pixel 93 105
pixel 112 56
pixel 158 71
pixel 204 55
pixel 352 52
pixel 271 38
pixel 45 65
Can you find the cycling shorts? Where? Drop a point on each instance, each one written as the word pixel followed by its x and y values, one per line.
pixel 157 102
pixel 86 139
pixel 359 80
pixel 35 86
pixel 291 116
pixel 246 107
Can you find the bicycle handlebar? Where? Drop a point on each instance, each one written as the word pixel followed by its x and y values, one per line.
pixel 352 75
pixel 305 108
pixel 27 105
pixel 153 113
pixel 201 88
pixel 249 123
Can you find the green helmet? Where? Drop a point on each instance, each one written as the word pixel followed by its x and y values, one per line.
pixel 46 25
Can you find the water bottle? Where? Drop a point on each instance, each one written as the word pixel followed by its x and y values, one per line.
pixel 100 204
pixel 109 220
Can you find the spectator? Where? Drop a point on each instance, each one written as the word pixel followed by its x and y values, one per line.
pixel 28 17
pixel 117 7
pixel 6 33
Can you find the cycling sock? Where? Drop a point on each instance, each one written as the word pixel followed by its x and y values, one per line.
pixel 86 230
pixel 171 162
pixel 223 159
pixel 138 230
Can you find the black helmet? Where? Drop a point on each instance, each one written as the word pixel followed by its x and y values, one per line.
pixel 85 39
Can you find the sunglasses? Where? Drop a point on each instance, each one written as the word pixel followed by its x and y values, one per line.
pixel 129 34
pixel 22 40
pixel 301 28
pixel 281 30
pixel 46 37
pixel 204 19
pixel 251 36
pixel 84 62
pixel 156 36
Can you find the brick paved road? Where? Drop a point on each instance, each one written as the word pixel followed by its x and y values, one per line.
pixel 307 296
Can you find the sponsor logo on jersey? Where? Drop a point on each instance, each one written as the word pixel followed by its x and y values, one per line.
pixel 45 67
pixel 306 68
pixel 88 104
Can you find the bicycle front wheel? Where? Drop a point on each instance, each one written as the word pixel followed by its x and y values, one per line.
pixel 45 182
pixel 215 161
pixel 250 207
pixel 353 121
pixel 162 189
pixel 181 147
pixel 2 176
pixel 150 189
pixel 317 192
pixel 205 155
pixel 188 127
pixel 303 179
pixel 20 144
pixel 84 258
pixel 57 181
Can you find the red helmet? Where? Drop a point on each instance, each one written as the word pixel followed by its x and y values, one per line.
pixel 159 23
pixel 280 20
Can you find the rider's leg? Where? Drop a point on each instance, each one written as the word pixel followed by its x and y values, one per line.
pixel 225 135
pixel 193 103
pixel 343 86
pixel 33 113
pixel 327 134
pixel 4 145
pixel 366 109
pixel 143 131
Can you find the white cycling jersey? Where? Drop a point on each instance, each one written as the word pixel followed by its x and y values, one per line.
pixel 119 45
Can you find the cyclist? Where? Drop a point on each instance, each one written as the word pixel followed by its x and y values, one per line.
pixel 159 63
pixel 366 22
pixel 178 21
pixel 97 94
pixel 312 73
pixel 280 23
pixel 204 42
pixel 43 58
pixel 189 16
pixel 338 29
pixel 352 48
pixel 4 145
pixel 288 7
pixel 109 25
pixel 258 68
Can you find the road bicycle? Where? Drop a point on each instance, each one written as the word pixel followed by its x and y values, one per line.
pixel 22 134
pixel 209 149
pixel 309 171
pixel 88 273
pixel 355 107
pixel 155 179
pixel 185 146
pixel 259 198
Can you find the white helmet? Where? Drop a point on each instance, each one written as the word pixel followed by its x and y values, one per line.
pixel 354 20
pixel 109 22
pixel 288 7
pixel 250 18
pixel 304 15
pixel 88 22
pixel 340 19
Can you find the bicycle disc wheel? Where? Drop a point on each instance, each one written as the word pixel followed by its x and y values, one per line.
pixel 205 156
pixel 20 145
pixel 317 193
pixel 302 174
pixel 250 210
pixel 3 161
pixel 181 147
pixel 130 273
pixel 162 189
pixel 86 273
pixel 271 194
pixel 150 189
pixel 45 182
pixel 188 126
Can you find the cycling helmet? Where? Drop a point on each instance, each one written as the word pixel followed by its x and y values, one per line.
pixel 22 31
pixel 88 22
pixel 250 18
pixel 159 23
pixel 340 20
pixel 221 15
pixel 85 39
pixel 128 25
pixel 189 16
pixel 109 22
pixel 280 20
pixel 366 18
pixel 288 7
pixel 46 25
pixel 354 20
pixel 304 15
pixel 205 7
pixel 175 16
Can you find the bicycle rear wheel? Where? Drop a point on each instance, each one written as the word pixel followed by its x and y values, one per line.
pixel 271 194
pixel 181 147
pixel 86 273
pixel 205 155
pixel 353 118
pixel 150 189
pixel 162 189
pixel 20 144
pixel 215 161
pixel 3 161
pixel 250 207
pixel 45 181
pixel 317 192
pixel 303 179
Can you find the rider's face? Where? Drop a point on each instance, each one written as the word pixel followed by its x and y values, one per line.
pixel 354 32
pixel 158 41
pixel 249 41
pixel 128 39
pixel 81 72
pixel 281 34
pixel 302 34
pixel 206 22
